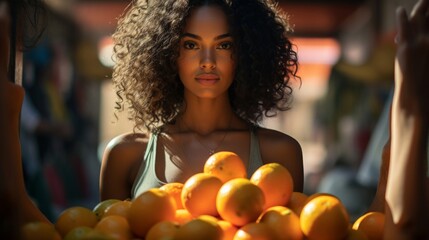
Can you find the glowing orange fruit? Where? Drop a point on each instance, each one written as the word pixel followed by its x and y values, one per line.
pixel 39 231
pixel 183 216
pixel 165 230
pixel 297 201
pixel 75 217
pixel 283 222
pixel 228 229
pixel 255 231
pixel 276 183
pixel 324 218
pixel 120 208
pixel 239 201
pixel 226 166
pixel 175 190
pixel 371 224
pixel 149 208
pixel 199 194
pixel 101 207
pixel 114 226
pixel 199 229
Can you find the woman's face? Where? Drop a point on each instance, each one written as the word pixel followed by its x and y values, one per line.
pixel 206 64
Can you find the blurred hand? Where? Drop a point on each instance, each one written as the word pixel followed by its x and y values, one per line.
pixel 412 58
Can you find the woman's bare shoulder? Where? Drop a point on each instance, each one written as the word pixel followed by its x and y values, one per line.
pixel 121 160
pixel 128 139
pixel 276 140
pixel 281 148
pixel 124 148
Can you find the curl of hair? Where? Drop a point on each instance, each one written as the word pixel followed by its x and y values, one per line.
pixel 147 46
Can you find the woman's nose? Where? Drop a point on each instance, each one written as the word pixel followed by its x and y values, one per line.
pixel 208 60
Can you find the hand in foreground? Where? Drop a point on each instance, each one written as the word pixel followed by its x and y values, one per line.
pixel 412 63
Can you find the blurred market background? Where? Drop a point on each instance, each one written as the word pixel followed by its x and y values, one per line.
pixel 339 115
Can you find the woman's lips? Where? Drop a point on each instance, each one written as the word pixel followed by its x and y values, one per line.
pixel 207 78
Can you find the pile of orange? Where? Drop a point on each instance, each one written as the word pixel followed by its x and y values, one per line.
pixel 219 203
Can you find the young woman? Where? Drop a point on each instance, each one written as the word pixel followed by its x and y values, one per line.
pixel 206 87
pixel 199 75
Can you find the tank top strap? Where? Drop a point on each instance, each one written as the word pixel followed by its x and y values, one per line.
pixel 147 164
pixel 255 158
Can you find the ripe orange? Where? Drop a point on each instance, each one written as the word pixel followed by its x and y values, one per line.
pixel 199 194
pixel 200 229
pixel 356 235
pixel 165 230
pixel 120 208
pixel 39 231
pixel 323 218
pixel 148 208
pixel 239 201
pixel 314 195
pixel 175 190
pixel 276 183
pixel 209 218
pixel 296 202
pixel 78 233
pixel 74 217
pixel 101 207
pixel 97 235
pixel 114 226
pixel 183 216
pixel 226 166
pixel 283 222
pixel 255 231
pixel 371 224
pixel 228 229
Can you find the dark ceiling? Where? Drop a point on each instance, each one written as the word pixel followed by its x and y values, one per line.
pixel 309 17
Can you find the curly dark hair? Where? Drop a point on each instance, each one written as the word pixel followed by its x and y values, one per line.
pixel 147 47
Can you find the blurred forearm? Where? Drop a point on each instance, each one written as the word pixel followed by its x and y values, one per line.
pixel 406 191
pixel 13 187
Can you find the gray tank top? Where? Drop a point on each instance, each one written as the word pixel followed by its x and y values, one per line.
pixel 147 179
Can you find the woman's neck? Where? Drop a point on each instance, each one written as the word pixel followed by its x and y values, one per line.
pixel 204 116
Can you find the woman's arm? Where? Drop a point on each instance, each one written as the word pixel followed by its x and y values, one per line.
pixel 12 182
pixel 121 161
pixel 406 196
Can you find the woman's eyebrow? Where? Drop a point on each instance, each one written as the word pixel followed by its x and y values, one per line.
pixel 191 35
pixel 222 36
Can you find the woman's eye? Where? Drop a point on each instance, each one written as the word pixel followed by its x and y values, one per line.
pixel 190 45
pixel 225 45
